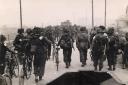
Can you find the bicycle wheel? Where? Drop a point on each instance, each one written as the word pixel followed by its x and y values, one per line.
pixel 16 67
pixel 28 70
pixel 6 80
pixel 53 53
pixel 21 77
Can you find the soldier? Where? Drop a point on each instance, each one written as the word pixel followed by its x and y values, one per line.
pixel 82 43
pixel 112 50
pixel 49 35
pixel 39 50
pixel 66 43
pixel 28 39
pixel 99 44
pixel 19 44
pixel 125 52
pixel 3 50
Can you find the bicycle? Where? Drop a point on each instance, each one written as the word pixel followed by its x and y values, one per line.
pixel 11 69
pixel 57 57
pixel 5 79
pixel 12 66
pixel 27 67
pixel 26 70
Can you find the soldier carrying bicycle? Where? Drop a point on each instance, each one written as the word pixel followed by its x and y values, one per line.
pixel 3 50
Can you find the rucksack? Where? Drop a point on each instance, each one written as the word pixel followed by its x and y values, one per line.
pixel 65 42
pixel 99 42
pixel 83 42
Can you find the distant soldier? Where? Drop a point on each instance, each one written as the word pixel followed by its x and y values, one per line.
pixel 125 52
pixel 39 50
pixel 82 43
pixel 99 44
pixel 49 35
pixel 66 43
pixel 112 49
pixel 3 50
pixel 19 44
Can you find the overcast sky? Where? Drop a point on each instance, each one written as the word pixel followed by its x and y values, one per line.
pixel 45 12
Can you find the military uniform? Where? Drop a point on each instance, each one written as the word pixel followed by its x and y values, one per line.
pixel 99 44
pixel 19 45
pixel 67 45
pixel 111 52
pixel 3 50
pixel 49 35
pixel 40 55
pixel 28 39
pixel 125 52
pixel 82 43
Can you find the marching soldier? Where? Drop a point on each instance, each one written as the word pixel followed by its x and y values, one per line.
pixel 112 49
pixel 99 44
pixel 19 44
pixel 28 39
pixel 66 43
pixel 3 50
pixel 125 52
pixel 49 35
pixel 39 50
pixel 82 43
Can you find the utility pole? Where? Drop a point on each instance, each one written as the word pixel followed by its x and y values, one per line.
pixel 105 13
pixel 21 26
pixel 92 14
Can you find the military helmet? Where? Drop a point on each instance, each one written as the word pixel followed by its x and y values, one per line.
pixel 83 29
pixel 98 30
pixel 28 30
pixel 36 30
pixel 20 30
pixel 2 38
pixel 101 29
pixel 110 30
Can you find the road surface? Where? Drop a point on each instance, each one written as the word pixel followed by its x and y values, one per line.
pixel 120 75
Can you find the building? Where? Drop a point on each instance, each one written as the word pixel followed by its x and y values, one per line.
pixel 66 23
pixel 122 22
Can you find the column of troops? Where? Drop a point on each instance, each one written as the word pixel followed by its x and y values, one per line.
pixel 104 44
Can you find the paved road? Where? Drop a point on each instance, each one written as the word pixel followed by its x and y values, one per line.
pixel 51 73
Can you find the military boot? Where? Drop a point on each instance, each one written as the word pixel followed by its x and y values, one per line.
pixel 100 68
pixel 36 78
pixel 67 65
pixel 95 68
pixel 83 64
pixel 40 78
pixel 110 68
pixel 123 66
pixel 114 67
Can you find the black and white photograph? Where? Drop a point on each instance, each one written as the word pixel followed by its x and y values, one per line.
pixel 63 42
